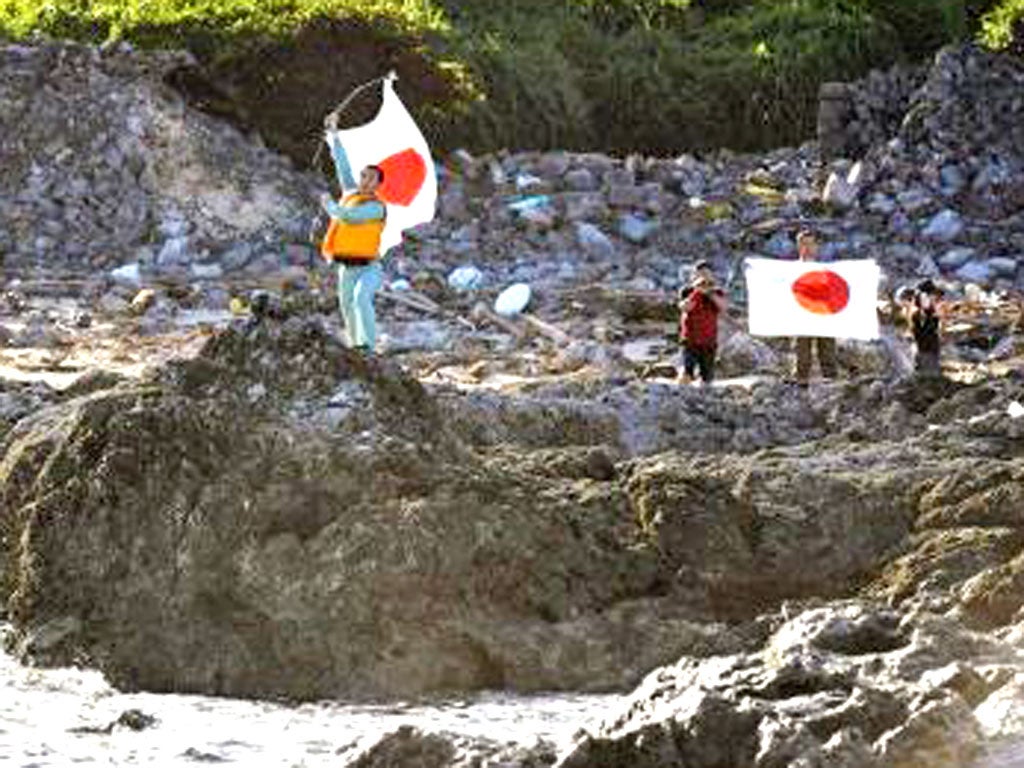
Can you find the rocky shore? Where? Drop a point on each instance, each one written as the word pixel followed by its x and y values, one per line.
pixel 202 490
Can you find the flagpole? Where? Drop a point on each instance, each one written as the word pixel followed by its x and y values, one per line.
pixel 331 119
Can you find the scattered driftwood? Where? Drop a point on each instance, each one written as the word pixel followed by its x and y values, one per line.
pixel 418 301
pixel 552 332
pixel 483 313
pixel 412 299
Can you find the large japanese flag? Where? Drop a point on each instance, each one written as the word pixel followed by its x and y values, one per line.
pixel 806 298
pixel 393 141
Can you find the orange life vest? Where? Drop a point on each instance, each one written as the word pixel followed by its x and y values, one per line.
pixel 353 239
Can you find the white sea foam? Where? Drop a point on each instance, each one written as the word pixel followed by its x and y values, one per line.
pixel 43 710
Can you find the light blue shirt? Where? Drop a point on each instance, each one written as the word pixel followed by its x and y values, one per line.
pixel 369 211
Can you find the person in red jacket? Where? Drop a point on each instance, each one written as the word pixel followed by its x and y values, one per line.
pixel 700 304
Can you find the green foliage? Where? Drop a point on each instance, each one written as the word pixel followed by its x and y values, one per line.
pixel 108 19
pixel 744 80
pixel 532 95
pixel 586 78
pixel 922 25
pixel 1003 27
pixel 659 76
pixel 618 16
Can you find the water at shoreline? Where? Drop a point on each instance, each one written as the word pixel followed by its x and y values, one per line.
pixel 40 710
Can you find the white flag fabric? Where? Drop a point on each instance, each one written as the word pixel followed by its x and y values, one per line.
pixel 393 141
pixel 807 298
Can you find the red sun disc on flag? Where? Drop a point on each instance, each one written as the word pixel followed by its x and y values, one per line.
pixel 822 292
pixel 404 174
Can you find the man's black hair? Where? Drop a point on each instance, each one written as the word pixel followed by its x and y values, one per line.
pixel 380 173
pixel 702 264
pixel 905 293
pixel 927 286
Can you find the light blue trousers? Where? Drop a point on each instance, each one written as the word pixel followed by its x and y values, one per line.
pixel 356 287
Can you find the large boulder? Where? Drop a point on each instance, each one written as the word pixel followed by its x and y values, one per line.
pixel 279 516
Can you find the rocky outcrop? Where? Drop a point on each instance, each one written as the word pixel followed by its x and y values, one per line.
pixel 279 516
pixel 852 685
pixel 409 746
pixel 142 180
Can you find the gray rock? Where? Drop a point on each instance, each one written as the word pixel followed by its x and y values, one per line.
pixel 956 258
pixel 636 229
pixel 581 180
pixel 593 240
pixel 952 179
pixel 582 206
pixel 821 688
pixel 915 201
pixel 881 204
pixel 927 267
pixel 554 165
pixel 206 271
pixel 430 335
pixel 453 203
pixel 839 192
pixel 1004 266
pixel 780 245
pixel 625 196
pixel 944 226
pixel 175 252
pixel 1001 714
pixel 113 304
pixel 975 272
pixel 129 274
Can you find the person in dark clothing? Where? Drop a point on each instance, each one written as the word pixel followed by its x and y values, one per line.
pixel 807 346
pixel 925 320
pixel 700 304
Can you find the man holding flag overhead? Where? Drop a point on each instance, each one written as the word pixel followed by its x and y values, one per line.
pixel 811 300
pixel 394 192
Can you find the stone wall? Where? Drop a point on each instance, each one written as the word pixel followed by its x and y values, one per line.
pixel 853 117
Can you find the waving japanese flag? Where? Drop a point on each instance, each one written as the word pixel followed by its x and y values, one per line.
pixel 807 298
pixel 393 141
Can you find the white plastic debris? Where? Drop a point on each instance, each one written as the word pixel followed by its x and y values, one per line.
pixel 465 278
pixel 129 274
pixel 523 204
pixel 525 181
pixel 512 300
pixel 1015 410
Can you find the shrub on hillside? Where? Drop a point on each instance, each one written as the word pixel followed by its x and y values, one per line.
pixel 746 81
pixel 618 16
pixel 922 26
pixel 761 70
pixel 1003 27
pixel 657 76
